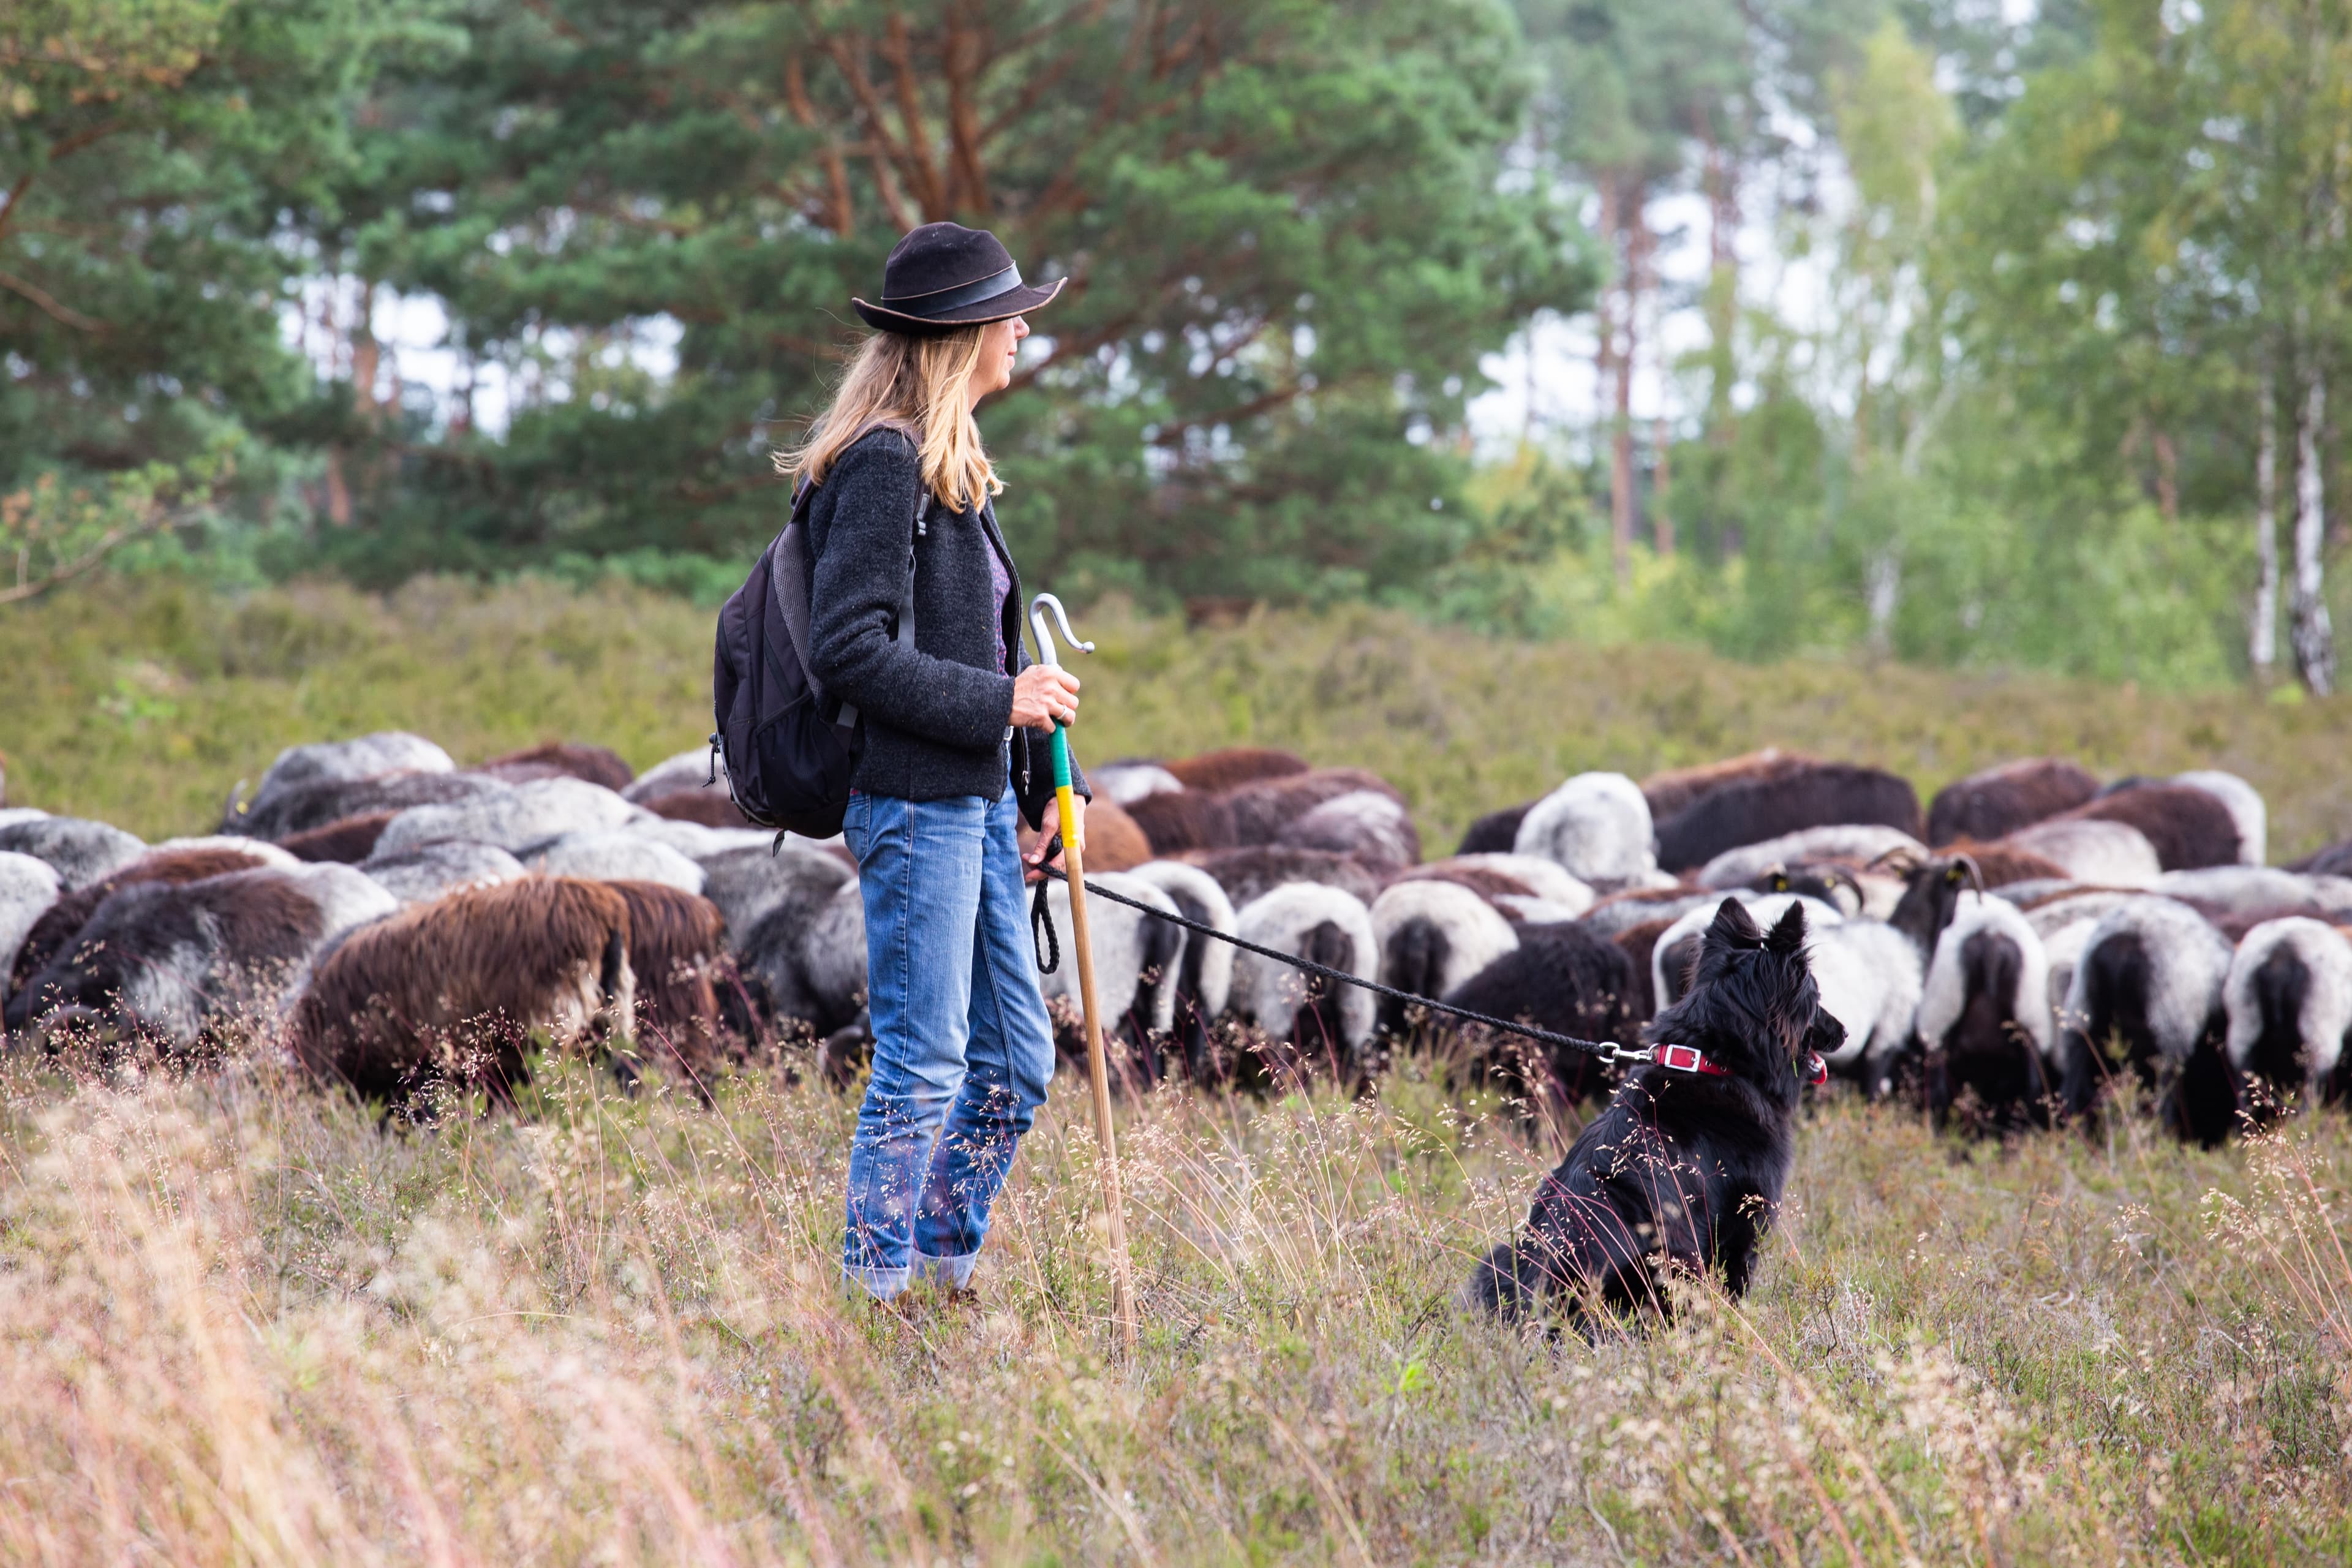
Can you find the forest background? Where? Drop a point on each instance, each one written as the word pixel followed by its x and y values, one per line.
pixel 2061 393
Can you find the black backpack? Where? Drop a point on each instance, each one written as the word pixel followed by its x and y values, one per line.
pixel 790 749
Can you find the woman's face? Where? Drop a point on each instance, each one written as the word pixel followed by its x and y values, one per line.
pixel 999 346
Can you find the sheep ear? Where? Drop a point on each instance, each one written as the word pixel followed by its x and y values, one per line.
pixel 1787 937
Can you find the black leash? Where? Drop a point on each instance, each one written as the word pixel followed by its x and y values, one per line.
pixel 1607 1050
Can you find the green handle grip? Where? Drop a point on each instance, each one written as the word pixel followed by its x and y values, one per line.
pixel 1061 759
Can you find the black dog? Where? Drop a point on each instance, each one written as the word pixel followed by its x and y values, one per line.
pixel 1683 1170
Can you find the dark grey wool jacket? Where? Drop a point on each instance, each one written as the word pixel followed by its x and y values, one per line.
pixel 936 715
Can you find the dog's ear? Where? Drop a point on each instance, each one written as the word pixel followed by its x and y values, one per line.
pixel 1788 938
pixel 1733 927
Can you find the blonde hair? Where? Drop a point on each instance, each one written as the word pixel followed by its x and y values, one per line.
pixel 917 384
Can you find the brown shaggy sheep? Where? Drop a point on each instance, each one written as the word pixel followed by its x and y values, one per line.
pixel 677 940
pixel 72 910
pixel 1670 790
pixel 452 990
pixel 347 842
pixel 1211 771
pixel 711 807
pixel 1178 821
pixel 1262 810
pixel 2003 863
pixel 1247 873
pixel 561 759
pixel 2189 828
pixel 1483 880
pixel 1999 801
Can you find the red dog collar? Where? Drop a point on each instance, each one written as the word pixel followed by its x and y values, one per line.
pixel 1687 1058
pixel 1690 1058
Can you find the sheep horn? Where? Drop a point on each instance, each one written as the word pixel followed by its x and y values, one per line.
pixel 1901 858
pixel 1976 872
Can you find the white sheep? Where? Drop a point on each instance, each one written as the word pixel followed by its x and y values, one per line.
pixel 1596 826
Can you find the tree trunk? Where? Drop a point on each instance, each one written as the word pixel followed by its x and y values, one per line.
pixel 366 353
pixel 1621 445
pixel 1721 177
pixel 1661 521
pixel 1604 359
pixel 2314 640
pixel 2262 642
pixel 2168 476
pixel 1882 593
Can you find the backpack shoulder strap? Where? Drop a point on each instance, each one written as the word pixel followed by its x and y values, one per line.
pixel 796 591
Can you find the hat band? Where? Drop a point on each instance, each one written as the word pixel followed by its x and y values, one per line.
pixel 1003 282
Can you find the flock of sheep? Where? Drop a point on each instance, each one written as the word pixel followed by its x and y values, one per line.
pixel 393 921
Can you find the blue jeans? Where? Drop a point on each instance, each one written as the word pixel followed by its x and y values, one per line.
pixel 962 1046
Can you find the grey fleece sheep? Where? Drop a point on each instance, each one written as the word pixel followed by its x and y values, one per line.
pixel 304 807
pixel 528 816
pixel 687 770
pixel 341 761
pixel 797 928
pixel 171 962
pixel 1364 825
pixel 616 855
pixel 78 850
pixel 421 875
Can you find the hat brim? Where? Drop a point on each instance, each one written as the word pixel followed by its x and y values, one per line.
pixel 1003 307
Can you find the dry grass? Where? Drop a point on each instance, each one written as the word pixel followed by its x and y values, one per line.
pixel 240 1322
pixel 142 702
pixel 244 1324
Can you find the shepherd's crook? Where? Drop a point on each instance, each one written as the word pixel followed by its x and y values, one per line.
pixel 1122 1286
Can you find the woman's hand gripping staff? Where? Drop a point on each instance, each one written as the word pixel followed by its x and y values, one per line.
pixel 1072 853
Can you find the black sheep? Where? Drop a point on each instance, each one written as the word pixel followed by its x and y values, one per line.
pixel 1827 794
pixel 2191 828
pixel 1999 801
pixel 1567 981
pixel 1496 832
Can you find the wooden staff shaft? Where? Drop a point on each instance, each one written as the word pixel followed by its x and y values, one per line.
pixel 1098 1066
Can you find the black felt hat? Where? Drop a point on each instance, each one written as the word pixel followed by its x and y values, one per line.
pixel 944 277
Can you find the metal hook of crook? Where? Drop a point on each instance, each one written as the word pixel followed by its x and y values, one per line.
pixel 1043 634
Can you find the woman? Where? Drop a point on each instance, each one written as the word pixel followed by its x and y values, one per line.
pixel 901 519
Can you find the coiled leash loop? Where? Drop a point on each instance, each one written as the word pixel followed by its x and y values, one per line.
pixel 1041 919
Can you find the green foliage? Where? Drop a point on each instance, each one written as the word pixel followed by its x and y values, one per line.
pixel 149 151
pixel 1283 224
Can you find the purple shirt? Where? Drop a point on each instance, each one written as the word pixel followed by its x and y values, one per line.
pixel 1002 580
